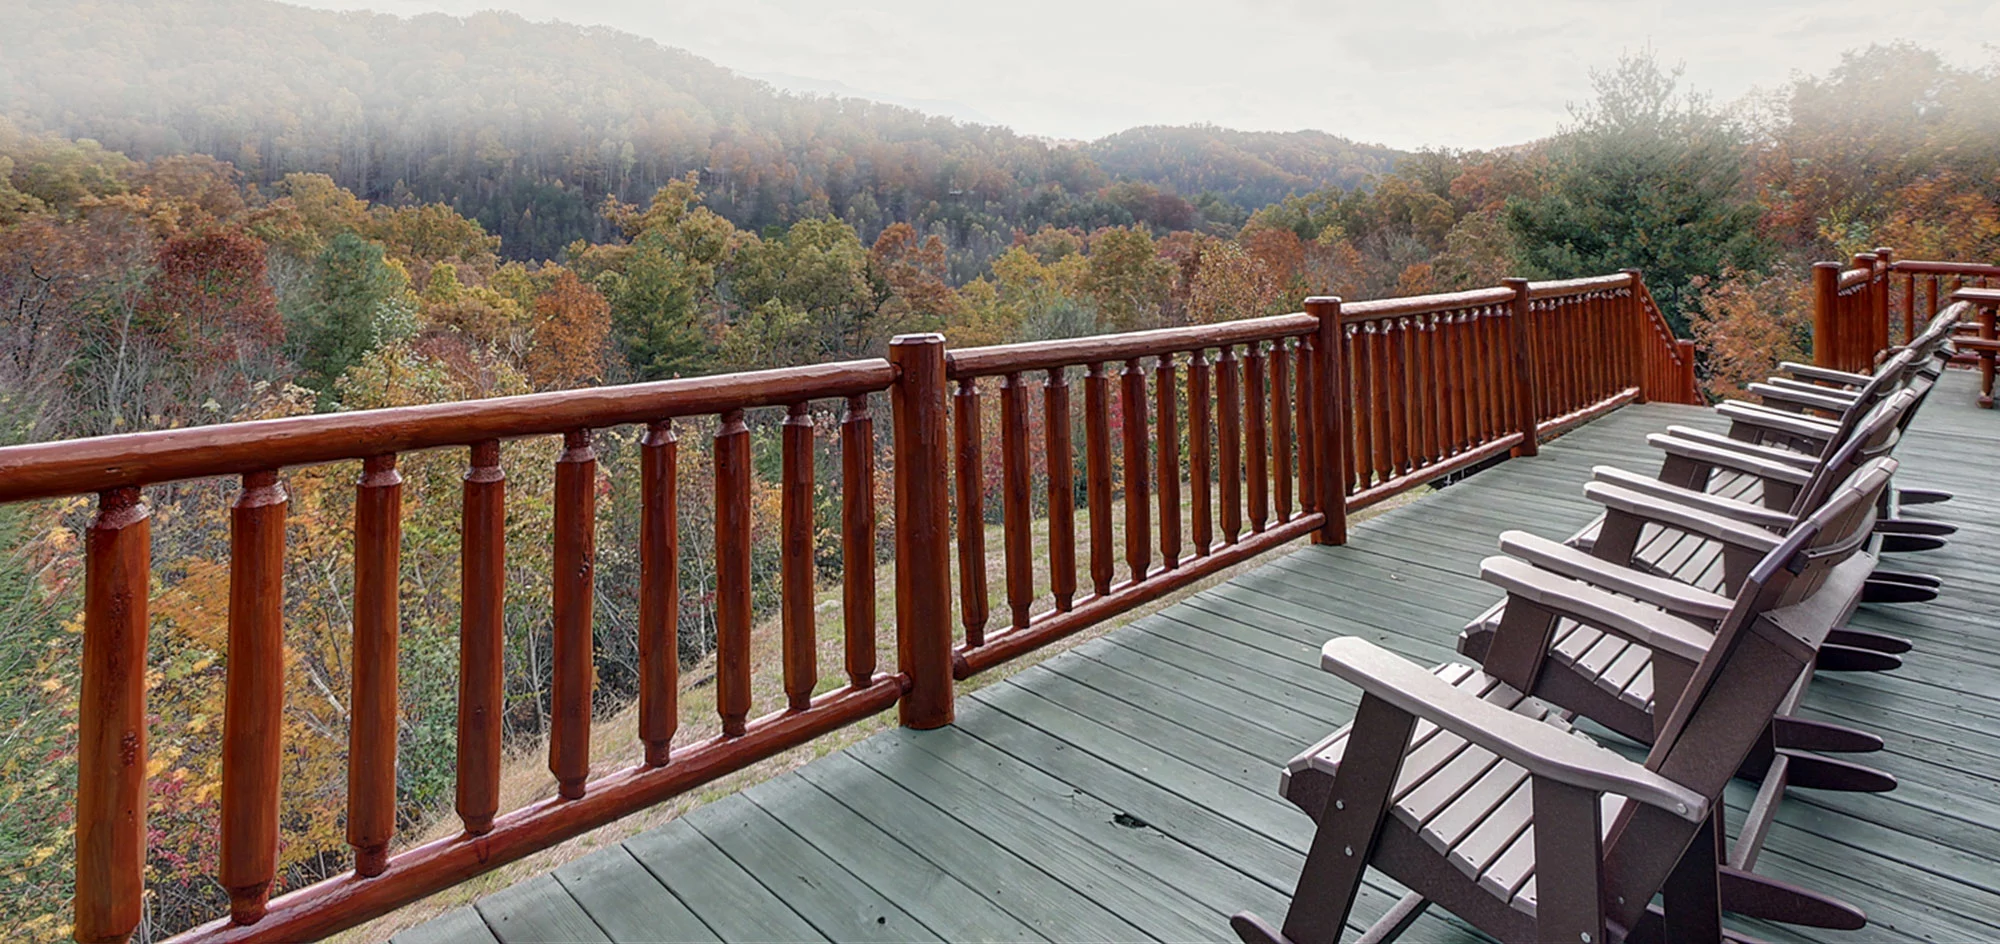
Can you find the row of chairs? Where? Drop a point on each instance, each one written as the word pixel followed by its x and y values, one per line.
pixel 1689 618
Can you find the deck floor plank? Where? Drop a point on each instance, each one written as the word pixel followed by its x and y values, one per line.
pixel 1125 790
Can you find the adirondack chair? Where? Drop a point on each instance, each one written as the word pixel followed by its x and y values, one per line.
pixel 1480 799
pixel 1752 471
pixel 1680 550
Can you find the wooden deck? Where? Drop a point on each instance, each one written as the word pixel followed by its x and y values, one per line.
pixel 1126 790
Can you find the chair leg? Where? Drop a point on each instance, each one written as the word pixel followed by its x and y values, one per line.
pixel 1807 734
pixel 1910 543
pixel 1833 658
pixel 1868 639
pixel 1757 896
pixel 1921 496
pixel 1569 862
pixel 1349 825
pixel 1883 588
pixel 1831 773
pixel 1693 892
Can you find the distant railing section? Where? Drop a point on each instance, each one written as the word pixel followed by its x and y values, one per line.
pixel 1219 413
pixel 1863 306
pixel 1205 445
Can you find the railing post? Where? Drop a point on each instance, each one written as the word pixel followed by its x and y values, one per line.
pixel 1632 334
pixel 1330 414
pixel 1523 361
pixel 1826 296
pixel 1690 387
pixel 111 722
pixel 923 565
pixel 1883 258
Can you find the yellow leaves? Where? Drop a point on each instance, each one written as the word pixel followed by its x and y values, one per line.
pixel 198 724
pixel 52 685
pixel 39 856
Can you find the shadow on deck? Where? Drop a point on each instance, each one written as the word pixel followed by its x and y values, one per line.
pixel 1126 790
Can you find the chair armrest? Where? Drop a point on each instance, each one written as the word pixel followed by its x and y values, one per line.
pixel 1788 398
pixel 1731 508
pixel 1719 441
pixel 1543 750
pixel 1599 609
pixel 1841 394
pixel 1681 518
pixel 1733 460
pixel 1673 596
pixel 1767 420
pixel 1798 371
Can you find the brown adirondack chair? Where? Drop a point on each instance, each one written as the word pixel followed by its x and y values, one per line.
pixel 1672 548
pixel 1473 796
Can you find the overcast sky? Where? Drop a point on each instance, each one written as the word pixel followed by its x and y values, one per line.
pixel 1407 73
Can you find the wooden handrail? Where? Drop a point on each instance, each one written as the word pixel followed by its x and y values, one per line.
pixel 85 466
pixel 1261 431
pixel 1874 300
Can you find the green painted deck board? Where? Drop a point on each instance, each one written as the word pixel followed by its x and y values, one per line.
pixel 1126 790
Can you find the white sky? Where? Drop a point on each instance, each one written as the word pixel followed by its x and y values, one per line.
pixel 1407 73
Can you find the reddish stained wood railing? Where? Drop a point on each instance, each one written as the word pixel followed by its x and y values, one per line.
pixel 1229 388
pixel 1262 431
pixel 110 853
pixel 1874 300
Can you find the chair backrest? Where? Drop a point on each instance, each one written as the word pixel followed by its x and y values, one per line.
pixel 1874 435
pixel 1782 613
pixel 1892 375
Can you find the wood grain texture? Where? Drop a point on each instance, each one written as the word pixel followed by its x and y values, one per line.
pixel 254 699
pixel 1017 518
pixel 575 591
pixel 969 467
pixel 482 595
pixel 857 539
pixel 1061 457
pixel 659 591
pixel 373 694
pixel 923 582
pixel 732 572
pixel 797 569
pixel 111 721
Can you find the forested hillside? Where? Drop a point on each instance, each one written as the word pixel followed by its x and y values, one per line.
pixel 231 210
pixel 527 127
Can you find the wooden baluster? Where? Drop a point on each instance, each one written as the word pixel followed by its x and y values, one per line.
pixel 1016 516
pixel 111 721
pixel 481 636
pixel 1909 308
pixel 575 604
pixel 857 539
pixel 1302 401
pixel 1516 352
pixel 1138 525
pixel 1384 401
pixel 1360 404
pixel 254 698
pixel 1437 437
pixel 372 698
pixel 732 573
pixel 1097 473
pixel 659 591
pixel 1062 487
pixel 1491 373
pixel 1229 443
pixel 1401 402
pixel 971 471
pixel 1169 438
pixel 1423 394
pixel 1281 437
pixel 1256 447
pixel 1458 388
pixel 1199 454
pixel 796 570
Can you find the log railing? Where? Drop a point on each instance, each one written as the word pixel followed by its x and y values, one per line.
pixel 1218 413
pixel 113 757
pixel 1874 300
pixel 1201 445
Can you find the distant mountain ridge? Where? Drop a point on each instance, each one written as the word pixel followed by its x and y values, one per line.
pixel 528 127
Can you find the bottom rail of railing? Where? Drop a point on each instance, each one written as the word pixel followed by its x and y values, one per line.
pixel 1160 581
pixel 345 901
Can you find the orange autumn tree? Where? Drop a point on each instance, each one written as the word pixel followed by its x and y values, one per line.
pixel 572 326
